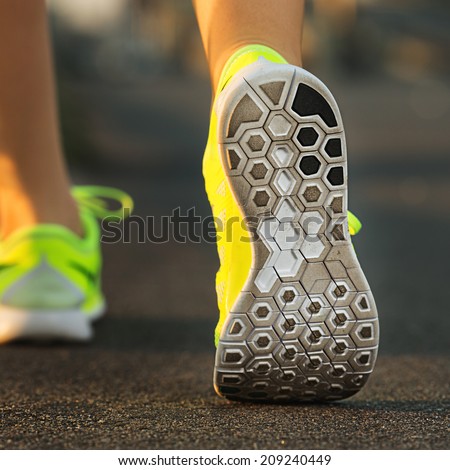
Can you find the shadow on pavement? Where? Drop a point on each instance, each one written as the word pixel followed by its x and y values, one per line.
pixel 149 334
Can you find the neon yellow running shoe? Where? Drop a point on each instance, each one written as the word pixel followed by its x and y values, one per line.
pixel 297 317
pixel 50 278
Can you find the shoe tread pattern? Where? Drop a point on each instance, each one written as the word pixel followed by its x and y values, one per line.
pixel 305 326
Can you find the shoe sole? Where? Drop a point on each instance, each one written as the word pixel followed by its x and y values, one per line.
pixel 305 325
pixel 39 325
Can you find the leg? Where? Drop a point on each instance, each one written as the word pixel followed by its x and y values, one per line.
pixel 34 186
pixel 225 27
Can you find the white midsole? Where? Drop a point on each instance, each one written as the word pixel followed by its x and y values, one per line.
pixel 74 324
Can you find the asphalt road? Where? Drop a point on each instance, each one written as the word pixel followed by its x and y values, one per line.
pixel 145 381
pixel 140 387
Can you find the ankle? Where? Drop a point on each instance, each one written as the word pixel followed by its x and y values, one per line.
pixel 19 210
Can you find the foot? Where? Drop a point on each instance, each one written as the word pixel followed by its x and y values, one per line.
pixel 297 318
pixel 50 277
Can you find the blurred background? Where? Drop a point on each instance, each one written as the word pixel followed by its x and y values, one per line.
pixel 134 98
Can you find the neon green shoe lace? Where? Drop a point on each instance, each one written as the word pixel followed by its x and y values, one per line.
pixel 354 224
pixel 94 199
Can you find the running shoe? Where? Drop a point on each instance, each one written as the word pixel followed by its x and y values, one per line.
pixel 298 321
pixel 50 278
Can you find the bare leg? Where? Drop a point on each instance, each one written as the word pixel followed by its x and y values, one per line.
pixel 34 186
pixel 227 25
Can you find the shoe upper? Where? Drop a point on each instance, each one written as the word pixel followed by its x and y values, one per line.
pixel 48 267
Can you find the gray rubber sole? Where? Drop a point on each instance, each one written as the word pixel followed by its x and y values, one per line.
pixel 305 324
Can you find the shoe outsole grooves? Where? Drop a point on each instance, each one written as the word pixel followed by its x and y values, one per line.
pixel 305 325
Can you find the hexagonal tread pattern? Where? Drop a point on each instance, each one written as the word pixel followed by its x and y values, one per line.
pixel 305 327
